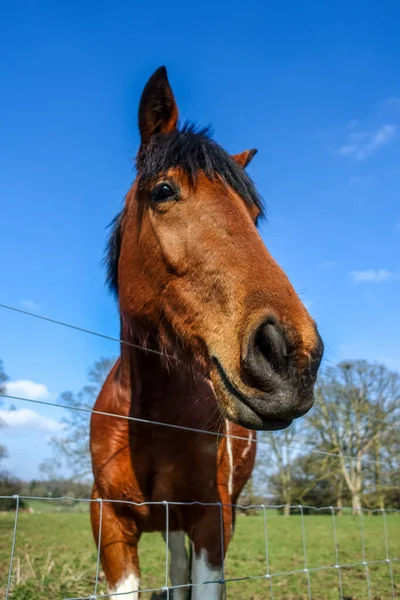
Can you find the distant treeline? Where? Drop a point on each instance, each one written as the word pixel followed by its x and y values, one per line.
pixel 10 485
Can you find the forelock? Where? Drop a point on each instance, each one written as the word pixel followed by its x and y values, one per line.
pixel 193 151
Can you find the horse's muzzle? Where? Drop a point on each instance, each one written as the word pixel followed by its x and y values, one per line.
pixel 275 389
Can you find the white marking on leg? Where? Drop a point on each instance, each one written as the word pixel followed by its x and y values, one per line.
pixel 230 458
pixel 128 586
pixel 203 572
pixel 249 442
pixel 179 571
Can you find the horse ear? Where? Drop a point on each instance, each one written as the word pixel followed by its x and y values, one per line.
pixel 158 112
pixel 244 158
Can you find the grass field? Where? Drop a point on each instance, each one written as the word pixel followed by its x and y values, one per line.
pixel 55 557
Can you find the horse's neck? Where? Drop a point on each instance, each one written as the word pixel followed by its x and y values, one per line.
pixel 165 389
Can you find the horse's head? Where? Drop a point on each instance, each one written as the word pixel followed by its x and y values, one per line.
pixel 188 263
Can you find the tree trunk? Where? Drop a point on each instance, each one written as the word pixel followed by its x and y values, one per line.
pixel 339 498
pixel 356 502
pixel 286 510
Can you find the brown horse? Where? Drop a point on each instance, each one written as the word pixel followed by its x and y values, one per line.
pixel 230 349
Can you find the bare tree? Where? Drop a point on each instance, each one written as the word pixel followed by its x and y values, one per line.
pixel 355 404
pixel 72 449
pixel 385 465
pixel 255 490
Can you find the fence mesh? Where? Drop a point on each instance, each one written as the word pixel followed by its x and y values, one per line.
pixel 308 569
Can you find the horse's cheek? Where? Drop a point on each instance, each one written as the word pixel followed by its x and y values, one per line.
pixel 174 242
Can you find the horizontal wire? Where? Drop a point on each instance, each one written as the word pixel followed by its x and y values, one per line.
pixel 195 502
pixel 128 418
pixel 115 594
pixel 245 578
pixel 83 330
pixel 150 350
pixel 193 429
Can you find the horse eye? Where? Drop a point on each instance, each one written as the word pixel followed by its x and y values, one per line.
pixel 162 192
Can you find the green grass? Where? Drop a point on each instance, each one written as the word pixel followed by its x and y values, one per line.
pixel 55 557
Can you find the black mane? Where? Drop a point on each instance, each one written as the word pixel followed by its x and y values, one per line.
pixel 191 150
pixel 112 252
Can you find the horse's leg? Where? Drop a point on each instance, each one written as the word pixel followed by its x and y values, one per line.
pixel 210 542
pixel 118 550
pixel 180 565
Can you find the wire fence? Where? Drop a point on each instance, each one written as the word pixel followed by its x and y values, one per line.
pixel 268 574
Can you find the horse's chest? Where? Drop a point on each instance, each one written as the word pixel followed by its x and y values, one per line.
pixel 179 471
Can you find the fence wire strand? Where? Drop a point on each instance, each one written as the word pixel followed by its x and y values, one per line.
pixel 337 561
pixel 364 561
pixel 303 538
pixel 166 586
pixel 267 573
pixel 388 560
pixel 12 544
pixel 218 435
pixel 104 336
pixel 118 340
pixel 221 521
pixel 96 583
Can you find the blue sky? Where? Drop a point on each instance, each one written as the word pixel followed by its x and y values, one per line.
pixel 314 86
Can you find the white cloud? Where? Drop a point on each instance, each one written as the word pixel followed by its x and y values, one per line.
pixel 27 389
pixel 372 276
pixel 29 304
pixel 362 144
pixel 25 418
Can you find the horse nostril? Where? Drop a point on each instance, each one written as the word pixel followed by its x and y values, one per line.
pixel 267 350
pixel 271 344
